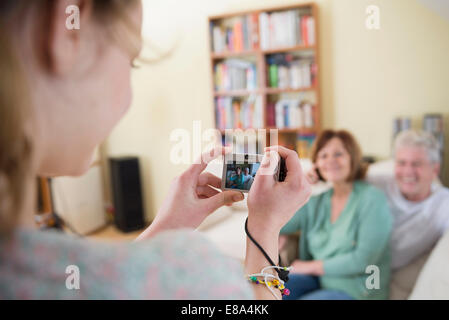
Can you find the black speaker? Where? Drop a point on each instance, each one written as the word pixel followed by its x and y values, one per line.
pixel 127 193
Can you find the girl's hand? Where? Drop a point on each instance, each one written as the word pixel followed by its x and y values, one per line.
pixel 192 198
pixel 271 204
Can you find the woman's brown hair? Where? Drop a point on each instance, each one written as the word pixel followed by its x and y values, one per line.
pixel 358 167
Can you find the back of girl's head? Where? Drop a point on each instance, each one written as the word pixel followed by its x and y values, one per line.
pixel 107 13
pixel 358 167
pixel 21 20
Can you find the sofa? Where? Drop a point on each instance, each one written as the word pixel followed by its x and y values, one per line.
pixel 225 228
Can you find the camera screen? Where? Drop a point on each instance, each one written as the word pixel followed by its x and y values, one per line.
pixel 241 175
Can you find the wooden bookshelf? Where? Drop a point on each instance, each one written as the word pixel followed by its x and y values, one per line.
pixel 259 55
pixel 237 93
pixel 287 90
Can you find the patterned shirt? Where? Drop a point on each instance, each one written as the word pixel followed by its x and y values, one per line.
pixel 173 265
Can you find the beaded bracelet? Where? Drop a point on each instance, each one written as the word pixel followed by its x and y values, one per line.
pixel 276 282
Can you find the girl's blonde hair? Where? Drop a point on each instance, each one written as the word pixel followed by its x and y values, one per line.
pixel 15 146
pixel 15 111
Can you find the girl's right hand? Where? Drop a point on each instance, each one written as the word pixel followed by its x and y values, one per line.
pixel 271 204
pixel 193 196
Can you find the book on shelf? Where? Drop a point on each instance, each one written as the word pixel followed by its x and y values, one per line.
pixel 304 145
pixel 288 72
pixel 288 141
pixel 308 30
pixel 235 74
pixel 232 113
pixel 273 75
pixel 266 30
pixel 286 29
pixel 236 34
pixel 307 109
pixel 289 114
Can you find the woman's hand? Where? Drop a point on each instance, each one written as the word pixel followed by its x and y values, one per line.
pixel 313 267
pixel 271 204
pixel 192 198
pixel 312 175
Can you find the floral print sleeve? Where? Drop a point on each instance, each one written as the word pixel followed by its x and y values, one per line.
pixel 173 265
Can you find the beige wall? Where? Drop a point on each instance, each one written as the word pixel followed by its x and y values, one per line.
pixel 368 77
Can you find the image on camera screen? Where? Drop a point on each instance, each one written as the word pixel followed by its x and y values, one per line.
pixel 241 175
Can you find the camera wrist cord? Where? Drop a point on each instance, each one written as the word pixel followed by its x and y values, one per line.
pixel 282 272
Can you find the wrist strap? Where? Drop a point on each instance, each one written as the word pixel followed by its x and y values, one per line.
pixel 283 272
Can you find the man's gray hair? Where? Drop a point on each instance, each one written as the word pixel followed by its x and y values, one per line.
pixel 418 138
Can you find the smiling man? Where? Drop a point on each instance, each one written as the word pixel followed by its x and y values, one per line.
pixel 419 204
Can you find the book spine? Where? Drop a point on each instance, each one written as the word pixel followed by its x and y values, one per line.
pixel 308 115
pixel 273 69
pixel 264 30
pixel 270 115
pixel 238 36
pixel 236 114
pixel 304 32
pixel 298 28
pixel 311 30
pixel 246 33
pixel 279 116
pixel 255 31
pixel 314 74
pixel 285 115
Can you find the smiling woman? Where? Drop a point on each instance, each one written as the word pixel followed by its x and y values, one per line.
pixel 343 230
pixel 343 155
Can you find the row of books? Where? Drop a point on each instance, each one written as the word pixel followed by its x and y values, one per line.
pixel 285 71
pixel 286 29
pixel 290 113
pixel 235 74
pixel 241 33
pixel 265 30
pixel 303 143
pixel 251 146
pixel 232 113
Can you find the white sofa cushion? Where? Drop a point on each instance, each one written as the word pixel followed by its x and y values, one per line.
pixel 433 281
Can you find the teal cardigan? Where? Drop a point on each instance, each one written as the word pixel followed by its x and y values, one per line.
pixel 357 239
